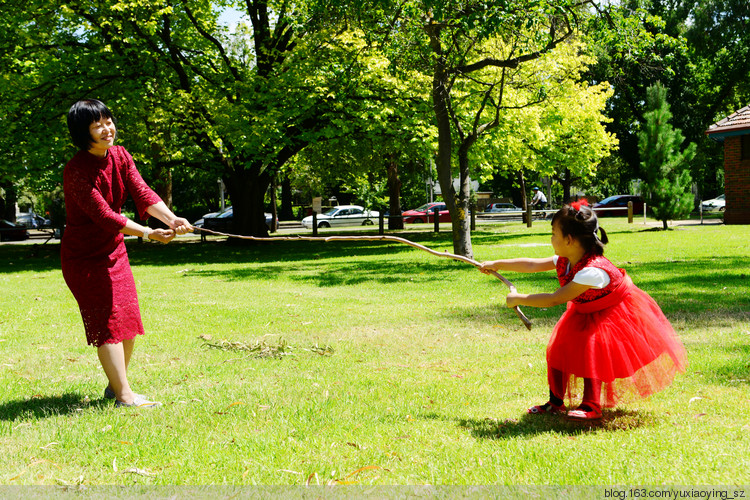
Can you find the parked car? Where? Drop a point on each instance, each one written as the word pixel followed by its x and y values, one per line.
pixel 12 232
pixel 715 205
pixel 502 207
pixel 618 201
pixel 222 221
pixel 200 222
pixel 343 215
pixel 426 213
pixel 32 220
pixel 506 211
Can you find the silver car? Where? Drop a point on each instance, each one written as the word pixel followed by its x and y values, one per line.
pixel 32 220
pixel 715 205
pixel 343 215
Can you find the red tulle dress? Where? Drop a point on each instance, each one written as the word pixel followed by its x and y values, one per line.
pixel 95 262
pixel 617 335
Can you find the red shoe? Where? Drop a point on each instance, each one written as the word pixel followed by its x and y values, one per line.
pixel 547 408
pixel 584 414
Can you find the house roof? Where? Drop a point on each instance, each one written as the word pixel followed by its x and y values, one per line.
pixel 738 123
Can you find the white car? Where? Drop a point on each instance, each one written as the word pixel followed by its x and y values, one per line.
pixel 715 205
pixel 343 215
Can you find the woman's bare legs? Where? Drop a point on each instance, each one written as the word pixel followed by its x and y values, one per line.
pixel 115 359
pixel 128 346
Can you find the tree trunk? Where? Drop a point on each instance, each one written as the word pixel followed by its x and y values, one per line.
pixel 566 186
pixel 248 190
pixel 395 221
pixel 566 181
pixel 440 95
pixel 8 203
pixel 287 210
pixel 460 220
pixel 274 213
pixel 524 198
pixel 522 183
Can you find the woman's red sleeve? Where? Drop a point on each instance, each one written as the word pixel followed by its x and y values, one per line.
pixel 81 190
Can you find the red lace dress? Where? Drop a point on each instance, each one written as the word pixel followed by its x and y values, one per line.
pixel 617 334
pixel 95 263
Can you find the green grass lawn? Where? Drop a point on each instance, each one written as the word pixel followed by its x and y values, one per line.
pixel 392 367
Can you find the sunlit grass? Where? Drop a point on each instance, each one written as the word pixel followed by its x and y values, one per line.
pixel 401 368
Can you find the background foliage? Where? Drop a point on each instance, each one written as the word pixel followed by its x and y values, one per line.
pixel 354 83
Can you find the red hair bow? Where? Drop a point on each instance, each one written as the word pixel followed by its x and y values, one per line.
pixel 580 203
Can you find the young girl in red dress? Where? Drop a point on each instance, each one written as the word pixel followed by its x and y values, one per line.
pixel 95 265
pixel 613 337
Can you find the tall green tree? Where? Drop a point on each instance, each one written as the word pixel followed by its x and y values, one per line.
pixel 187 90
pixel 451 42
pixel 387 126
pixel 664 163
pixel 563 135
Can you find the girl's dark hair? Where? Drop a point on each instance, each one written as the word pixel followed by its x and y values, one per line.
pixel 580 222
pixel 81 115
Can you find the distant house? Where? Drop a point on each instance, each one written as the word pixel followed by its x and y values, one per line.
pixel 734 132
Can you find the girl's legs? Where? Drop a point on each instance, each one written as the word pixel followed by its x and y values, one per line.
pixel 590 405
pixel 556 391
pixel 556 381
pixel 115 363
pixel 592 393
pixel 590 408
pixel 592 390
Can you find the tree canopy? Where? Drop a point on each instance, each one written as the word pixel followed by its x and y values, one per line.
pixel 187 91
pixel 471 50
pixel 481 87
pixel 697 50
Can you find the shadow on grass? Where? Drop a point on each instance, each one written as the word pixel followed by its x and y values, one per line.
pixel 351 273
pixel 38 407
pixel 529 425
pixel 690 287
pixel 19 258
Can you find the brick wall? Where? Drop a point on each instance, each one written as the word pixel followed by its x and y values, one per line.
pixel 736 183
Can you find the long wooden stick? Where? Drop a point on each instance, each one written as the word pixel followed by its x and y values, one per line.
pixel 326 239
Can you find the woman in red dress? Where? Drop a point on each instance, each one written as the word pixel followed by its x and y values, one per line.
pixel 97 181
pixel 613 336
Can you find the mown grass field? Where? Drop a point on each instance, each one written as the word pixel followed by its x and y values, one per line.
pixel 398 368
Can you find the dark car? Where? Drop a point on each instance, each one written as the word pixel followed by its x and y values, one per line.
pixel 12 232
pixel 426 213
pixel 618 202
pixel 222 222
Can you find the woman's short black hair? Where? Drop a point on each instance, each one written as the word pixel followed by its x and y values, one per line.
pixel 81 115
